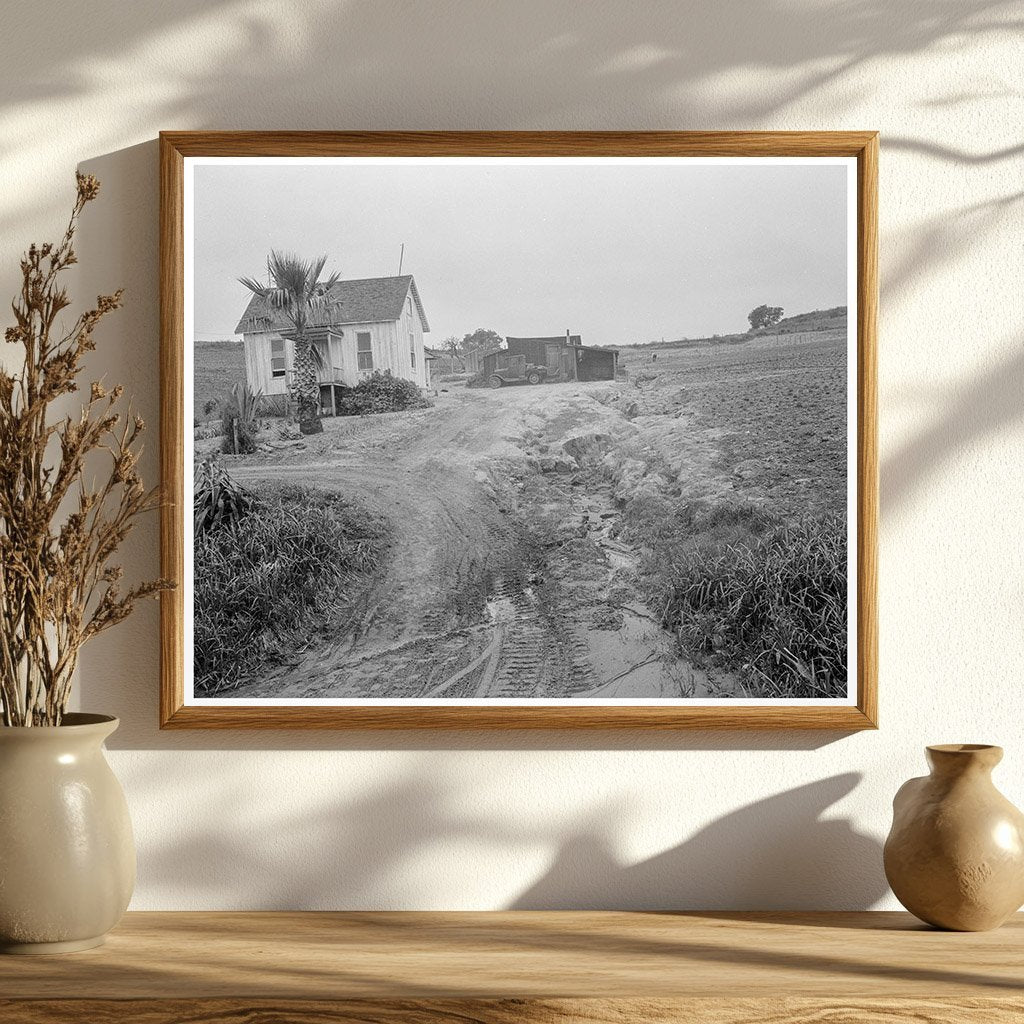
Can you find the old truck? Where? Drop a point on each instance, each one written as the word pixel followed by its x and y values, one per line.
pixel 503 368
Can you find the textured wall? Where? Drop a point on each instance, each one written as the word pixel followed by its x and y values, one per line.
pixel 465 821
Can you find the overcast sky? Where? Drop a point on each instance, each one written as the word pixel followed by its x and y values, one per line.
pixel 619 254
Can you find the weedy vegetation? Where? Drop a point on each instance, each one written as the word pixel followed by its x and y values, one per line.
pixel 216 499
pixel 275 406
pixel 272 570
pixel 748 592
pixel 770 605
pixel 241 420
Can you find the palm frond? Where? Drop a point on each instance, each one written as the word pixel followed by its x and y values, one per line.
pixel 314 269
pixel 319 357
pixel 253 285
pixel 280 298
pixel 319 299
pixel 296 289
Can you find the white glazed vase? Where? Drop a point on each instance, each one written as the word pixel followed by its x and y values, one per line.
pixel 67 855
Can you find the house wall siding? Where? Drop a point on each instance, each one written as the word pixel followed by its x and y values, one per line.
pixel 257 363
pixel 389 352
pixel 415 326
pixel 410 323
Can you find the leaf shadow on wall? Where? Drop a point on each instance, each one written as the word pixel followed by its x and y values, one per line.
pixel 964 412
pixel 939 242
pixel 410 843
pixel 290 58
pixel 777 853
pixel 991 403
pixel 188 64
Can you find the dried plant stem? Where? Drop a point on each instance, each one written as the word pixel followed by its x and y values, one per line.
pixel 58 588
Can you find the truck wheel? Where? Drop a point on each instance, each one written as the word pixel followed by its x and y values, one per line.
pixel 495 381
pixel 534 378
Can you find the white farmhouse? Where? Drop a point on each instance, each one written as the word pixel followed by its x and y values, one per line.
pixel 376 323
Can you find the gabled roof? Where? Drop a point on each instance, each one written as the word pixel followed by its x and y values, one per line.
pixel 368 300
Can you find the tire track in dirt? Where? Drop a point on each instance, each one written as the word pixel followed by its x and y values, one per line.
pixel 616 645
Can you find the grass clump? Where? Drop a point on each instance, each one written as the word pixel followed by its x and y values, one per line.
pixel 216 499
pixel 275 406
pixel 768 601
pixel 271 571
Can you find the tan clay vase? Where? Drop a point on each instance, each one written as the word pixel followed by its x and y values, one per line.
pixel 955 855
pixel 67 857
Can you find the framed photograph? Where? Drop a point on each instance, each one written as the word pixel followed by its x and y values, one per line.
pixel 519 430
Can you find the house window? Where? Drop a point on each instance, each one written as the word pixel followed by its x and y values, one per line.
pixel 278 366
pixel 364 351
pixel 412 349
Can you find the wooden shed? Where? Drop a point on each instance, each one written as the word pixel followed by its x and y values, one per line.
pixel 566 357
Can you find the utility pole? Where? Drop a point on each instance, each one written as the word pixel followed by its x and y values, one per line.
pixel 401 257
pixel 575 355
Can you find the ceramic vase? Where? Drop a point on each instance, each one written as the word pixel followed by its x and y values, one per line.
pixel 67 856
pixel 955 855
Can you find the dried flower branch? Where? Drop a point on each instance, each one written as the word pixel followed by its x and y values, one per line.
pixel 57 588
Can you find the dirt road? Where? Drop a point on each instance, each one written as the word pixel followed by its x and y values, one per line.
pixel 506 579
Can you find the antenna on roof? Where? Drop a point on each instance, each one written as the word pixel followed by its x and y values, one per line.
pixel 401 256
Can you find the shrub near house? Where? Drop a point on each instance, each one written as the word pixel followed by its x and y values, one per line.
pixel 381 392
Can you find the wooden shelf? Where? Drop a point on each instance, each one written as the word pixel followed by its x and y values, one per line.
pixel 415 968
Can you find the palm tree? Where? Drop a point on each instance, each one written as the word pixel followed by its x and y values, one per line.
pixel 297 291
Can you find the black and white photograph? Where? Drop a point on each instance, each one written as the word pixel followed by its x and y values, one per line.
pixel 520 430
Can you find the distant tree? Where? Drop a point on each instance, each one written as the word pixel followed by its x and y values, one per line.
pixel 481 340
pixel 451 346
pixel 764 316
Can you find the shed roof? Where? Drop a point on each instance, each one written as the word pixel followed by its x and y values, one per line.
pixel 367 300
pixel 574 339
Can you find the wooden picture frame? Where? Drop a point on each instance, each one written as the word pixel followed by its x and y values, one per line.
pixel 860 710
